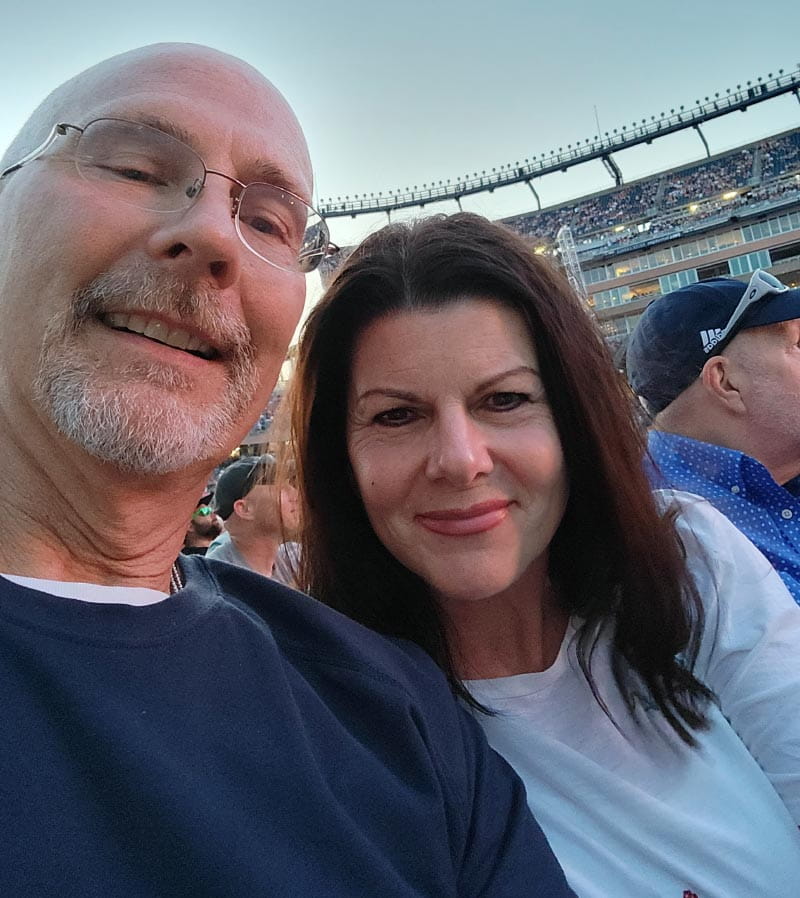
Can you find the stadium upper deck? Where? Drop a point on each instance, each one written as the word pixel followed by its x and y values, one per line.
pixel 726 216
pixel 726 178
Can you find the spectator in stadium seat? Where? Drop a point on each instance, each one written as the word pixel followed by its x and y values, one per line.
pixel 204 527
pixel 471 479
pixel 258 513
pixel 227 736
pixel 718 365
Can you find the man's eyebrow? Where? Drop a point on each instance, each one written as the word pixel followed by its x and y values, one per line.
pixel 259 170
pixel 168 127
pixel 270 173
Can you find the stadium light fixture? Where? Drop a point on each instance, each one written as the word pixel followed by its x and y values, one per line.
pixel 730 194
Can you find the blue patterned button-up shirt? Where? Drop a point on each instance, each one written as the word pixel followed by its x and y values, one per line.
pixel 742 489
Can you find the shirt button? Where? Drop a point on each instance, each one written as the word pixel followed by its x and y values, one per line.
pixel 735 490
pixel 786 514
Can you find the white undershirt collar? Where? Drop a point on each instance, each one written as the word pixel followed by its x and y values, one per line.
pixel 91 592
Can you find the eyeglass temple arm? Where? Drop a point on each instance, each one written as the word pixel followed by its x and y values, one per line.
pixel 330 249
pixel 58 130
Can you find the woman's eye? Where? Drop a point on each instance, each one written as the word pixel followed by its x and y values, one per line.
pixel 506 402
pixel 395 417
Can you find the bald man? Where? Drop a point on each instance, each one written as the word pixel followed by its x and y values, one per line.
pixel 193 729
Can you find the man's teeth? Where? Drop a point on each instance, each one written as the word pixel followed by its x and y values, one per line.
pixel 157 330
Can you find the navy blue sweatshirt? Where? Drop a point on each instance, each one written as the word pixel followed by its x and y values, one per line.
pixel 239 739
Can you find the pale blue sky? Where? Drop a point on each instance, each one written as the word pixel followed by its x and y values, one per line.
pixel 397 94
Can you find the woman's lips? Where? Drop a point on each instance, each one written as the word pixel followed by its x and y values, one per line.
pixel 465 521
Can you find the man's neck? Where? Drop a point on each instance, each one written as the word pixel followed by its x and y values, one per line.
pixel 258 550
pixel 71 517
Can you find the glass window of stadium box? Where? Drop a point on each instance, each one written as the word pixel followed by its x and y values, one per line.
pixel 692 249
pixel 717 270
pixel 619 296
pixel 786 253
pixel 747 263
pixel 771 227
pixel 596 275
pixel 619 327
pixel 670 282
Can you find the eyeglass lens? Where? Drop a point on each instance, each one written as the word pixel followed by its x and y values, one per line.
pixel 145 167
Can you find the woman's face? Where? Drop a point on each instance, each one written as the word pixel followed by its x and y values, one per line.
pixel 453 446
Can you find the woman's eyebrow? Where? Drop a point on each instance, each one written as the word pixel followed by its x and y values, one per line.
pixel 502 375
pixel 406 396
pixel 387 393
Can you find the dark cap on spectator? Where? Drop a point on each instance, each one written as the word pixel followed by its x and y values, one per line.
pixel 236 481
pixel 679 332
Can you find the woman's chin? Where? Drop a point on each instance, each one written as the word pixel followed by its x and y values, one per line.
pixel 465 588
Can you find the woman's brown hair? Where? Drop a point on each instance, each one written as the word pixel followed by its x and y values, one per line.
pixel 615 560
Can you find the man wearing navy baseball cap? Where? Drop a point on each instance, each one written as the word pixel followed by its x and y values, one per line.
pixel 718 365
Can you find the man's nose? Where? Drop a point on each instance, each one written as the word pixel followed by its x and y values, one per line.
pixel 200 242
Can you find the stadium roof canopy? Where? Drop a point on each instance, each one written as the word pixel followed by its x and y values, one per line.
pixel 598 147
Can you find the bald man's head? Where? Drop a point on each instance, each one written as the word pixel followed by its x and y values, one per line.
pixel 146 315
pixel 68 102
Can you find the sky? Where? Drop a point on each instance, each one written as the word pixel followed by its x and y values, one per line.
pixel 393 95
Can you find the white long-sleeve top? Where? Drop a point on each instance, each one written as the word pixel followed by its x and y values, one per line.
pixel 629 809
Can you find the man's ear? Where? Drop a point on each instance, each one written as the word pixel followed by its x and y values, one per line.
pixel 722 381
pixel 242 508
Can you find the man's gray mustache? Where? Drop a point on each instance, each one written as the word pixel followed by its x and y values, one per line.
pixel 144 291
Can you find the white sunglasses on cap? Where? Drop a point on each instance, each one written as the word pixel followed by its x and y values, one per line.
pixel 762 284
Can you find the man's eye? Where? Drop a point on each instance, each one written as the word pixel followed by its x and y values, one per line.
pixel 395 417
pixel 506 402
pixel 127 173
pixel 268 226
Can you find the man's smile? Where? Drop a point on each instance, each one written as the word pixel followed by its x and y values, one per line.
pixel 159 331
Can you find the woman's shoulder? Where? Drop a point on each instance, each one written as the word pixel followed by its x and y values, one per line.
pixel 706 530
pixel 728 570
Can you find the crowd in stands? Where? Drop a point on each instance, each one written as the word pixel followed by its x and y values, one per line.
pixel 608 209
pixel 545 224
pixel 704 180
pixel 780 156
pixel 774 189
pixel 268 415
pixel 672 192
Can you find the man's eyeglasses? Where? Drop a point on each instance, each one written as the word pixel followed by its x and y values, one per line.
pixel 762 284
pixel 202 511
pixel 145 167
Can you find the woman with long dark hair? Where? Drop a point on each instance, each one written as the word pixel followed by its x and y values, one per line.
pixel 472 480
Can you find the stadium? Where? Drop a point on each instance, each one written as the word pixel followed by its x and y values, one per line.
pixel 627 245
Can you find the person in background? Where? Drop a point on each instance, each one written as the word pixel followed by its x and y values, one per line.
pixel 204 527
pixel 717 364
pixel 471 479
pixel 193 729
pixel 258 514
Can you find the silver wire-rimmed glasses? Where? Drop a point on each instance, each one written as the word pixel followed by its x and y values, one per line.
pixel 145 167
